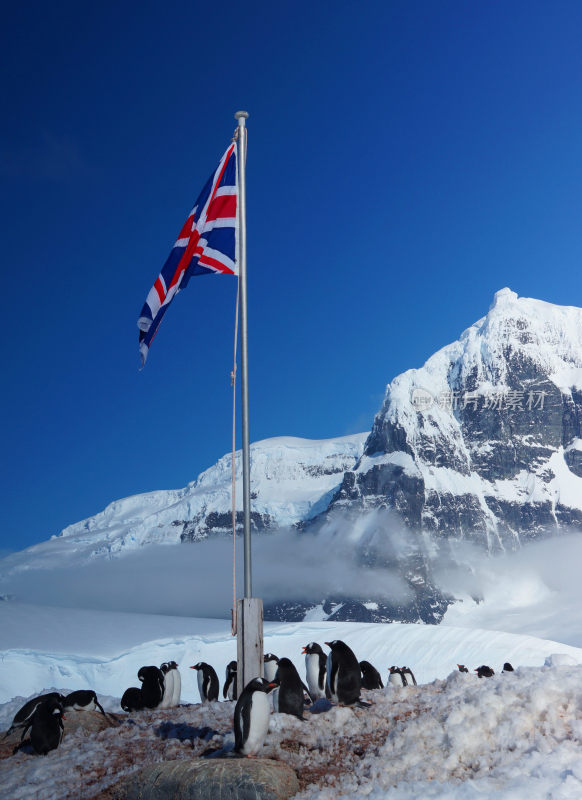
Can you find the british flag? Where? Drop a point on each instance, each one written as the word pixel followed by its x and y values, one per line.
pixel 207 245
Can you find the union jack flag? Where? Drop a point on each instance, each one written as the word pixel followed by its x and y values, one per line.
pixel 207 245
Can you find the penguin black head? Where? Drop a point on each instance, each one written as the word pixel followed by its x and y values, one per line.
pixel 199 665
pixel 462 668
pixel 165 667
pixel 270 657
pixel 261 685
pixel 507 667
pixel 312 648
pixel 172 665
pixel 339 645
pixel 231 666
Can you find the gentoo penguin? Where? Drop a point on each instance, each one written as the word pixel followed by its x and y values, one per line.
pixel 24 714
pixel 270 664
pixel 290 700
pixel 82 700
pixel 370 676
pixel 316 670
pixel 251 717
pixel 484 671
pixel 343 674
pixel 132 699
pixel 507 667
pixel 462 668
pixel 166 701
pixel 177 683
pixel 396 678
pixel 229 689
pixel 46 727
pixel 408 676
pixel 152 686
pixel 207 682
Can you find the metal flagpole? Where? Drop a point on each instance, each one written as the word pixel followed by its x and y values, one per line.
pixel 250 611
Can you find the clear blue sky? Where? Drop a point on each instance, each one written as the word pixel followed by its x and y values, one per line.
pixel 405 161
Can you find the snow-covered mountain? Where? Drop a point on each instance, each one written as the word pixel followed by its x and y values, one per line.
pixel 484 441
pixel 292 480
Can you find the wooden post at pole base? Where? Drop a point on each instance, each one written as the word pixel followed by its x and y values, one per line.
pixel 249 641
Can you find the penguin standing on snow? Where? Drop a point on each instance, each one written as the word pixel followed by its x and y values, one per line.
pixel 229 689
pixel 316 670
pixel 46 727
pixel 408 676
pixel 251 717
pixel 290 700
pixel 370 676
pixel 152 686
pixel 166 701
pixel 24 714
pixel 396 678
pixel 207 682
pixel 132 699
pixel 344 678
pixel 82 700
pixel 177 683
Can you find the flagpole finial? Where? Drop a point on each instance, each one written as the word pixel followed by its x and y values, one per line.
pixel 241 114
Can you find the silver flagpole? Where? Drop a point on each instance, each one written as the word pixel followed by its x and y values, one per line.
pixel 250 611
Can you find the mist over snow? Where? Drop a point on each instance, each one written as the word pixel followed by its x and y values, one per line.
pixel 196 579
pixel 526 591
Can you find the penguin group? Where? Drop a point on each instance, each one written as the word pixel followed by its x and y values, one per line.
pixel 485 671
pixel 161 687
pixel 401 676
pixel 43 716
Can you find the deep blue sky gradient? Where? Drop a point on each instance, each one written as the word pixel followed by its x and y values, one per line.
pixel 406 160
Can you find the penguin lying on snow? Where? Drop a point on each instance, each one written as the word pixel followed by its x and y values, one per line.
pixel 484 671
pixel 229 689
pixel 343 675
pixel 132 699
pixel 82 700
pixel 46 727
pixel 152 686
pixel 462 668
pixel 290 699
pixel 507 667
pixel 251 717
pixel 370 676
pixel 207 682
pixel 315 670
pixel 24 714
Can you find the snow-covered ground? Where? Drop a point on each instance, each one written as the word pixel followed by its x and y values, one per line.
pixel 453 736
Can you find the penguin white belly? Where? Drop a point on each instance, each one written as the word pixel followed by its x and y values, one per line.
pixel 312 674
pixel 168 690
pixel 177 688
pixel 201 685
pixel 89 707
pixel 270 669
pixel 395 679
pixel 259 724
pixel 332 688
